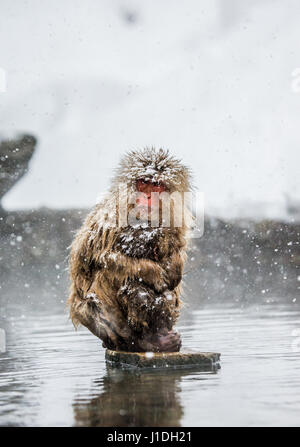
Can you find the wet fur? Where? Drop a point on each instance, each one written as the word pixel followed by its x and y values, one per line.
pixel 128 293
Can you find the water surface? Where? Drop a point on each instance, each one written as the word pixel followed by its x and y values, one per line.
pixel 54 376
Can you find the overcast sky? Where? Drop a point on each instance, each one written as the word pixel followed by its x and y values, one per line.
pixel 210 80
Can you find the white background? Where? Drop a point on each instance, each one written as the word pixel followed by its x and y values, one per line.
pixel 210 80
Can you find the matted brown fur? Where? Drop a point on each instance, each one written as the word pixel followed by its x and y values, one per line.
pixel 126 281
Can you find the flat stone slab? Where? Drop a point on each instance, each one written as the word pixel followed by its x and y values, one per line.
pixel 183 359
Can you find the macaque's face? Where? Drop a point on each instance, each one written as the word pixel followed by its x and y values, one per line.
pixel 148 187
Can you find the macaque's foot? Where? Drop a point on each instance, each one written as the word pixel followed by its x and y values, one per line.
pixel 168 342
pixel 171 342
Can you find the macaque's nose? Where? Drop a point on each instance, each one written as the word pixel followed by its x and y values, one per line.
pixel 147 188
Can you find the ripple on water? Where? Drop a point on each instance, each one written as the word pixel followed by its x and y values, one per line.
pixel 52 375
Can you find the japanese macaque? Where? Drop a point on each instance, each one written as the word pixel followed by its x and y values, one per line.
pixel 127 260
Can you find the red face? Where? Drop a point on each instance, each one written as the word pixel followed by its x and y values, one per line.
pixel 147 188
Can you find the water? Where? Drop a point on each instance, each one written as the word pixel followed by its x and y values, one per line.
pixel 54 376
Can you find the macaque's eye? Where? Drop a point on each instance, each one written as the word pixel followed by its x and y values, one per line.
pixel 148 187
pixel 144 186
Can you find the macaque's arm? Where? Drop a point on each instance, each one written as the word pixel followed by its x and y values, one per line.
pixel 145 270
pixel 174 270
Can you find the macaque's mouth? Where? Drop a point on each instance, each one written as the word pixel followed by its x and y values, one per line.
pixel 147 187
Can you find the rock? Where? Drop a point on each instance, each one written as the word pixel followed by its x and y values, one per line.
pixel 184 359
pixel 14 158
pixel 34 247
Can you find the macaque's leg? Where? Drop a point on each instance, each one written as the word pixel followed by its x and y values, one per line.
pixel 147 310
pixel 151 317
pixel 101 320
